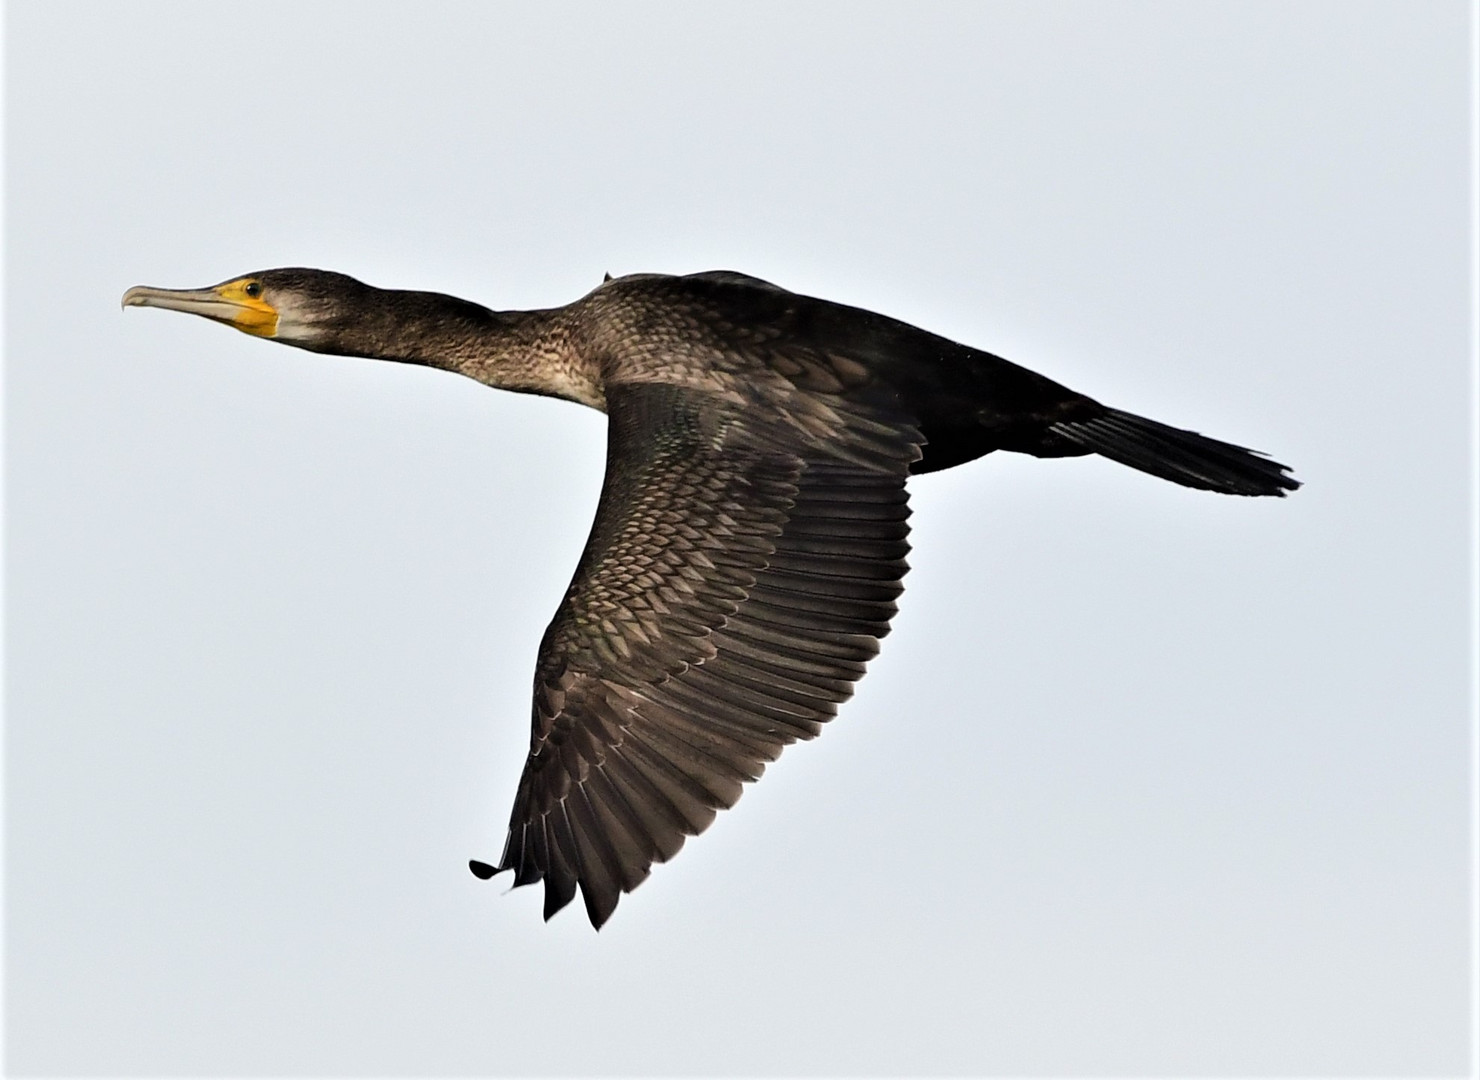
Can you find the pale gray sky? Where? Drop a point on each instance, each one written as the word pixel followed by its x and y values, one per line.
pixel 1146 781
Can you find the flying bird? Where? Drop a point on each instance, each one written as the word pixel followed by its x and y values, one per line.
pixel 750 539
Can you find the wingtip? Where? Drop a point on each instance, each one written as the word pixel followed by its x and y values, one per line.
pixel 600 903
pixel 482 870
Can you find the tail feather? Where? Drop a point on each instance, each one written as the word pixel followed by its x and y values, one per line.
pixel 1184 457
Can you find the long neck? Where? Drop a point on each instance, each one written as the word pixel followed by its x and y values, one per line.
pixel 527 351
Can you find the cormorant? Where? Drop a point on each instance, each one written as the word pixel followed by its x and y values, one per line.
pixel 750 540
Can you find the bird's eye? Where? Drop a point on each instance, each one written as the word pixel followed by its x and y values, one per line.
pixel 253 289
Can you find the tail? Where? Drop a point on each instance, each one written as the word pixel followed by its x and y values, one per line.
pixel 1184 457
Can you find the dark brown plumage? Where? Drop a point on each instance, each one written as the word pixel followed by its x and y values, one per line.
pixel 750 541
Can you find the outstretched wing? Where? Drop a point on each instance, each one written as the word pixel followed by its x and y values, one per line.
pixel 735 583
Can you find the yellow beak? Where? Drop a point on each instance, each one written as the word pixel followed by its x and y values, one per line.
pixel 228 303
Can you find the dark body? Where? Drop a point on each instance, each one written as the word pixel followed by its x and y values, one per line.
pixel 965 402
pixel 750 541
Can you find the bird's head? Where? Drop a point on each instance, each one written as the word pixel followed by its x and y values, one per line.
pixel 307 308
